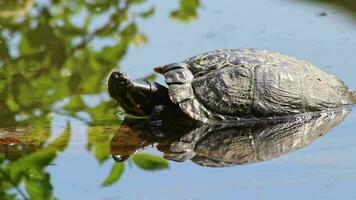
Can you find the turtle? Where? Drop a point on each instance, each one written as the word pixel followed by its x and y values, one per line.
pixel 232 85
pixel 225 145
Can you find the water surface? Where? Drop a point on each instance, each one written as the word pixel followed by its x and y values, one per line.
pixel 57 119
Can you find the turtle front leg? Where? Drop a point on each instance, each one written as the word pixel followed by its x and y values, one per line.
pixel 137 97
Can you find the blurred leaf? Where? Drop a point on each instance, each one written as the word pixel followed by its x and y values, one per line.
pixel 115 174
pixel 108 54
pixel 22 90
pixel 129 31
pixel 2 157
pixel 104 111
pixel 39 159
pixel 50 56
pixel 187 11
pixel 150 77
pixel 61 142
pixel 99 6
pixel 137 1
pixel 75 103
pixel 13 8
pixel 148 13
pixel 99 141
pixel 150 162
pixel 38 185
pixel 11 104
pixel 139 39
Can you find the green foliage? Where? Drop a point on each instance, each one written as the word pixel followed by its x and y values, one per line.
pixel 150 162
pixel 187 10
pixel 148 13
pixel 13 8
pixel 115 174
pixel 31 169
pixel 137 1
pixel 38 185
pixel 54 59
pixel 99 141
pixel 39 159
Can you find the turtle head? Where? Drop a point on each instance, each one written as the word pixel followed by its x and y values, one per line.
pixel 123 90
pixel 136 97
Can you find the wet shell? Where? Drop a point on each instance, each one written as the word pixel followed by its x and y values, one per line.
pixel 233 84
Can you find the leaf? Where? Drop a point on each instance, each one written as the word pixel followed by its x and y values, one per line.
pixel 113 54
pixel 39 159
pixel 38 185
pixel 115 174
pixel 129 31
pixel 104 111
pixel 148 13
pixel 75 104
pixel 22 90
pixel 150 162
pixel 187 11
pixel 62 141
pixel 150 77
pixel 139 39
pixel 99 141
pixel 136 1
pixel 11 104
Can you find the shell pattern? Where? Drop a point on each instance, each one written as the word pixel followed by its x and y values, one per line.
pixel 235 84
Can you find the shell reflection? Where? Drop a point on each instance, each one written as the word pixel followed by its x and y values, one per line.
pixel 225 144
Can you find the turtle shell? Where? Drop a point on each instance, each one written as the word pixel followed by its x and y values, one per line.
pixel 226 145
pixel 233 84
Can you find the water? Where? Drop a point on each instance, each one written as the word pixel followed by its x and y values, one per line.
pixel 57 119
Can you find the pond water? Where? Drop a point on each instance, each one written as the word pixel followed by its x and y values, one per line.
pixel 57 120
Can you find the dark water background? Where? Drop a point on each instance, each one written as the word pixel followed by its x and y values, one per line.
pixel 56 119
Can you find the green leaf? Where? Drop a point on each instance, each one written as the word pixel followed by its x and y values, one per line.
pixel 38 185
pixel 114 175
pixel 11 104
pixel 62 141
pixel 150 77
pixel 187 11
pixel 148 13
pixel 136 1
pixel 99 141
pixel 139 39
pixel 113 54
pixel 129 31
pixel 22 90
pixel 150 162
pixel 39 159
pixel 75 104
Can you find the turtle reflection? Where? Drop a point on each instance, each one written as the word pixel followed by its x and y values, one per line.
pixel 223 145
